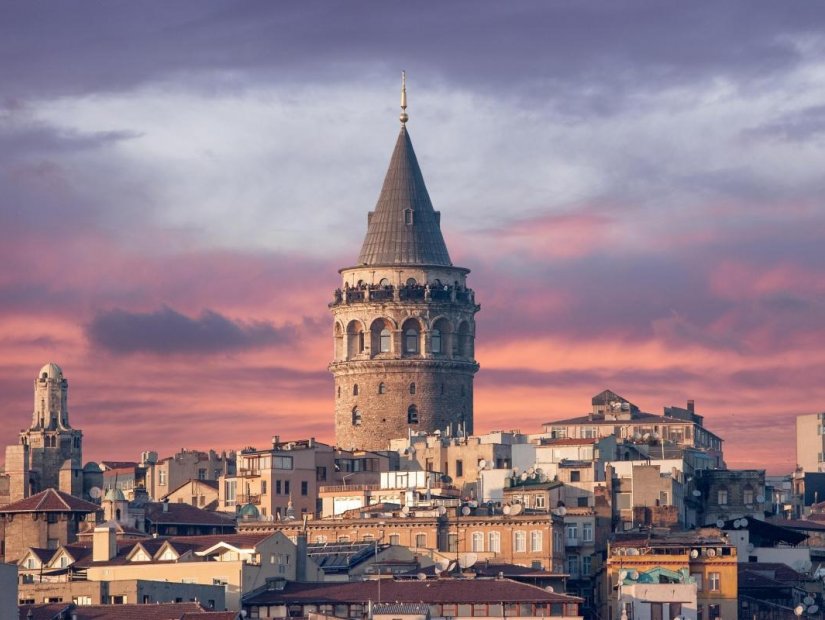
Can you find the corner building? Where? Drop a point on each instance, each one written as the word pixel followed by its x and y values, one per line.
pixel 404 325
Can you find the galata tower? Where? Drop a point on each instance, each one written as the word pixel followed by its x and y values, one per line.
pixel 404 320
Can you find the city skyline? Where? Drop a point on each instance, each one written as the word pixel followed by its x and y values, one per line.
pixel 636 191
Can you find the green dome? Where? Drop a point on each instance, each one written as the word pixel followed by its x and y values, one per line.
pixel 248 511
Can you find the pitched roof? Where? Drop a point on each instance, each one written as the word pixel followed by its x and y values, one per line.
pixel 43 611
pixel 50 500
pixel 394 237
pixel 411 591
pixel 181 513
pixel 159 611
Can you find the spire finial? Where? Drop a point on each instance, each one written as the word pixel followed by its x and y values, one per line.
pixel 404 117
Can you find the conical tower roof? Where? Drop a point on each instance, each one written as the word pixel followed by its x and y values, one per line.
pixel 404 229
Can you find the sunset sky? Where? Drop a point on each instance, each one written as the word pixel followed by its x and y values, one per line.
pixel 636 187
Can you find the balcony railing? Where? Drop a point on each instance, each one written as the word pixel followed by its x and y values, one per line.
pixel 243 498
pixel 415 292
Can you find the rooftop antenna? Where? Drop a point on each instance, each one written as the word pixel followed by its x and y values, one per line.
pixel 404 117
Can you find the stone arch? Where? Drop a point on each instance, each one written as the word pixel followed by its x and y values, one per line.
pixel 355 338
pixel 338 342
pixel 411 333
pixel 412 414
pixel 441 337
pixel 381 336
pixel 464 342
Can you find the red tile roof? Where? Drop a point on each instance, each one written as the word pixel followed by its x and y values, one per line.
pixel 50 500
pixel 43 611
pixel 409 591
pixel 160 611
pixel 211 615
pixel 184 514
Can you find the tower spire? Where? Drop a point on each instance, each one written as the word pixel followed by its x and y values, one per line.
pixel 404 117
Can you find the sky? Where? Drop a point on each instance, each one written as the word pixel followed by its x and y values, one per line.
pixel 637 188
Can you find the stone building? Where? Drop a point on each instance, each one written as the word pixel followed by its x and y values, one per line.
pixel 50 452
pixel 403 320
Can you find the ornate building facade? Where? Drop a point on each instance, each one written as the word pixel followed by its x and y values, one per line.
pixel 50 452
pixel 404 325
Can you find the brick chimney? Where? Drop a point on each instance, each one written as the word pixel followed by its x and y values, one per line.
pixel 691 406
pixel 104 544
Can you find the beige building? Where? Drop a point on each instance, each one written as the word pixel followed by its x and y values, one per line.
pixel 50 452
pixel 166 475
pixel 403 321
pixel 810 442
pixel 200 493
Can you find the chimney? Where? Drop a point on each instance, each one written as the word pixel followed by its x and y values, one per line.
pixel 276 439
pixel 312 442
pixel 104 544
pixel 691 406
pixel 165 504
pixel 301 557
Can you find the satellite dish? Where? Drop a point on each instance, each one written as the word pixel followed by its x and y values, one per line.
pixel 561 511
pixel 405 510
pixel 523 475
pixel 634 574
pixel 646 436
pixel 506 509
pixel 403 515
pixel 694 553
pixel 808 600
pixel 720 523
pixel 465 511
pixel 437 433
pixel 697 493
pixel 515 470
pixel 95 492
pixel 482 464
pixel 539 471
pixel 813 609
pixel 550 589
pixel 622 575
pixel 515 509
pixel 632 551
pixel 466 560
pixel 442 565
pixel 750 547
pixel 542 477
pixel 760 499
pixel 531 470
pixel 442 510
pixel 743 522
pixel 422 576
pixel 637 436
pixel 711 553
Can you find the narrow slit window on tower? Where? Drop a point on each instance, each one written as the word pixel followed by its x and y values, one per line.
pixel 408 216
pixel 382 388
pixel 356 417
pixel 412 415
pixel 412 389
pixel 355 390
pixel 386 340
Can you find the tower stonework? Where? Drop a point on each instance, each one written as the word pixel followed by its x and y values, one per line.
pixel 404 325
pixel 50 452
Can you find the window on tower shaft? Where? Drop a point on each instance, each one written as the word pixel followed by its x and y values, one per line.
pixel 356 417
pixel 412 389
pixel 355 390
pixel 411 341
pixel 408 216
pixel 382 388
pixel 386 340
pixel 436 340
pixel 412 415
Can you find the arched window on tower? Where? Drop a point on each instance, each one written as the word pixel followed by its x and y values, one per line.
pixel 355 390
pixel 382 388
pixel 412 389
pixel 412 415
pixel 435 340
pixel 411 341
pixel 356 417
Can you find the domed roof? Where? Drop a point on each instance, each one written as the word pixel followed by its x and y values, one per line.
pixel 114 495
pixel 248 511
pixel 50 371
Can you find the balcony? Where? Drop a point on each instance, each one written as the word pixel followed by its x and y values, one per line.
pixel 243 498
pixel 573 542
pixel 407 293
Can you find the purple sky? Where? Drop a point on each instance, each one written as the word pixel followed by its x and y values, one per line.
pixel 637 188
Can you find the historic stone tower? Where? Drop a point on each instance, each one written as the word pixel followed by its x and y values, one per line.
pixel 50 451
pixel 404 323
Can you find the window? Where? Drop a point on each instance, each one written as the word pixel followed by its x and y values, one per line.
pixel 202 473
pixel 575 475
pixel 412 415
pixel 277 487
pixel 587 532
pixel 282 462
pixel 573 565
pixel 494 542
pixel 581 501
pixel 722 497
pixel 714 582
pixel 385 344
pixel 356 417
pixel 162 477
pixel 321 474
pixel 697 577
pixel 519 542
pixel 382 388
pixel 286 487
pixel 412 389
pixel 421 540
pixel 263 487
pixel 477 542
pixel 304 487
pixel 408 216
pixel 435 340
pixel 395 539
pixel 459 468
pixel 411 341
pixel 587 565
pixel 747 496
pixel 355 390
pixel 536 541
pixel 540 502
pixel 572 531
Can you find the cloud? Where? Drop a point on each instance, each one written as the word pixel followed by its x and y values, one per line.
pixel 167 332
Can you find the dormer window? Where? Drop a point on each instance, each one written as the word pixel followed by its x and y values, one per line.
pixel 408 216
